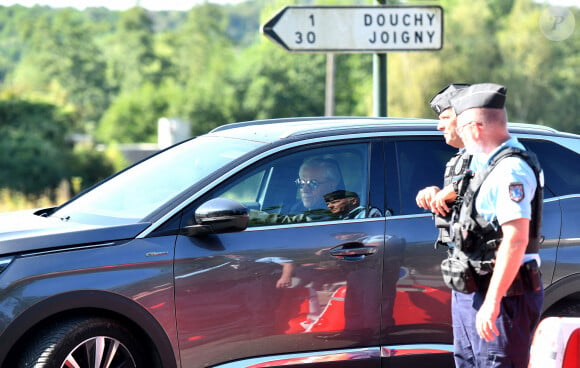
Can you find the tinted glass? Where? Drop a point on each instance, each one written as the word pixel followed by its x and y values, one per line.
pixel 283 288
pixel 421 163
pixel 321 184
pixel 138 191
pixel 560 165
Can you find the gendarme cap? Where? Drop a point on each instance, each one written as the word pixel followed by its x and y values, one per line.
pixel 339 194
pixel 441 101
pixel 483 95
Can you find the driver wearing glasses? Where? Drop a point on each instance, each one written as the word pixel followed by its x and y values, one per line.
pixel 316 177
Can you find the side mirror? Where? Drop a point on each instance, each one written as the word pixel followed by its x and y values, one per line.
pixel 218 215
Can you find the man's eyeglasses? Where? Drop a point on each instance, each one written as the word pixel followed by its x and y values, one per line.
pixel 312 184
pixel 459 129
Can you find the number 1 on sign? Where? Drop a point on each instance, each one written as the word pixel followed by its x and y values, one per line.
pixel 309 36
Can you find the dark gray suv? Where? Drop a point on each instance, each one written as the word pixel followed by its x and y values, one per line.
pixel 292 242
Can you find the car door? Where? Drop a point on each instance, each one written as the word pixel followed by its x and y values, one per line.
pixel 308 286
pixel 419 328
pixel 560 230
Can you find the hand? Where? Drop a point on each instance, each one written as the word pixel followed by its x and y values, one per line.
pixel 283 282
pixel 439 203
pixel 292 219
pixel 425 196
pixel 485 321
pixel 262 217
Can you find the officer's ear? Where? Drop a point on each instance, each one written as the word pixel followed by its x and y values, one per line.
pixel 478 130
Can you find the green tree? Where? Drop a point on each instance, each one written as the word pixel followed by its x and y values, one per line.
pixel 30 164
pixel 130 52
pixel 271 83
pixel 203 57
pixel 87 167
pixel 133 116
pixel 62 60
pixel 202 45
pixel 37 153
pixel 354 84
pixel 33 146
pixel 543 88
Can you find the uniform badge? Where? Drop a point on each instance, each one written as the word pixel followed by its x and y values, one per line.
pixel 516 192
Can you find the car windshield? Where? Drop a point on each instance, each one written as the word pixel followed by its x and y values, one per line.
pixel 137 192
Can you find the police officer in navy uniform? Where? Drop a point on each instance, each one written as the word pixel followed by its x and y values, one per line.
pixel 440 200
pixel 495 265
pixel 443 202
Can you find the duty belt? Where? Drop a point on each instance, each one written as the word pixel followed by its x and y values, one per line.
pixel 528 279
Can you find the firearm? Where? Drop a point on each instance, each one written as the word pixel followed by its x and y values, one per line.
pixel 444 223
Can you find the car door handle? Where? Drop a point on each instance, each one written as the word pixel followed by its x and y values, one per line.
pixel 352 249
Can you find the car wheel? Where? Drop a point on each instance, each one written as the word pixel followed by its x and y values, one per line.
pixel 566 309
pixel 84 343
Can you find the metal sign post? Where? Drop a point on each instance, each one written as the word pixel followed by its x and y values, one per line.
pixel 380 81
pixel 329 104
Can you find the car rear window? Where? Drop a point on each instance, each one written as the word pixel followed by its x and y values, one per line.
pixel 560 165
pixel 421 163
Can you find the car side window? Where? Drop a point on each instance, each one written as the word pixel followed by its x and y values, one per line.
pixel 420 163
pixel 320 184
pixel 560 164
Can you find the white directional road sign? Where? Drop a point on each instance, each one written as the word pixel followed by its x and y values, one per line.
pixel 357 28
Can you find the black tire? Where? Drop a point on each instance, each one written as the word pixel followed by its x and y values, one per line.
pixel 80 340
pixel 568 308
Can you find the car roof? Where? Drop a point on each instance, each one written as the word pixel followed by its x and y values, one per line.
pixel 271 130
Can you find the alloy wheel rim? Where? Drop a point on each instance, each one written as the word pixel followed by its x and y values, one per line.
pixel 99 352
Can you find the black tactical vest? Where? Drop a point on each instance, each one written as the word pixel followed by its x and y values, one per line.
pixel 478 238
pixel 455 167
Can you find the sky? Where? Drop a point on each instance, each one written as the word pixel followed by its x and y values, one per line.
pixel 118 4
pixel 171 4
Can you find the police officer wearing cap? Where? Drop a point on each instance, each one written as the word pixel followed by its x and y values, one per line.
pixel 495 261
pixel 443 202
pixel 440 200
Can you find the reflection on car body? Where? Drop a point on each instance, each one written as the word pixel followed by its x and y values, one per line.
pixel 199 257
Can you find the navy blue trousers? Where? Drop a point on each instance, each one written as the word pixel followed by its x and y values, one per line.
pixel 517 320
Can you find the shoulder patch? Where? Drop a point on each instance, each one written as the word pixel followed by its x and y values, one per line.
pixel 516 192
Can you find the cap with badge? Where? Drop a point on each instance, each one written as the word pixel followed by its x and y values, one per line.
pixel 482 95
pixel 441 101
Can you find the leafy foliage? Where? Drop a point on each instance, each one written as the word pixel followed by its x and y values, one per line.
pixel 111 75
pixel 36 154
pixel 31 141
pixel 133 116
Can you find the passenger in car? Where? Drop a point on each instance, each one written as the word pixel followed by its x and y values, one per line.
pixel 345 204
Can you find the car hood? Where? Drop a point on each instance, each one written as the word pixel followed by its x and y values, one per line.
pixel 24 231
